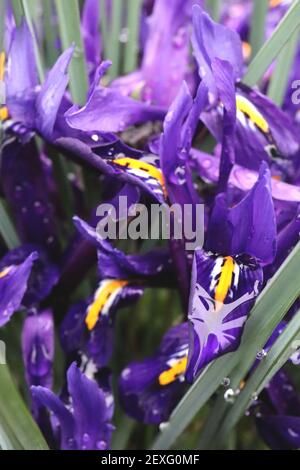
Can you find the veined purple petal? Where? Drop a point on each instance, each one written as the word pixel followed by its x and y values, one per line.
pixel 223 290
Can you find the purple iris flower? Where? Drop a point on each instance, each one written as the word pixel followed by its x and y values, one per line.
pixel 262 130
pixel 227 277
pixel 167 42
pixel 89 325
pixel 84 422
pixel 150 389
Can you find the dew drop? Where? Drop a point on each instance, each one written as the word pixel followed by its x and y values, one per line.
pixel 124 35
pixel 225 382
pixel 163 426
pixel 50 240
pixel 261 354
pixel 230 395
pixel 101 445
pixel 95 137
pixel 71 443
pixel 179 38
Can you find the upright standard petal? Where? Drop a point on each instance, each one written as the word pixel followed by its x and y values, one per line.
pixel 21 76
pixel 212 40
pixel 253 222
pixel 51 94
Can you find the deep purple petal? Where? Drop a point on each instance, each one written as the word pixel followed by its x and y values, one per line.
pixel 13 285
pixel 91 411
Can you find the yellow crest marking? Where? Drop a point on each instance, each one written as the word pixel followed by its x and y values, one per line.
pixel 156 173
pixel 247 108
pixel 3 113
pixel 225 280
pixel 101 297
pixel 274 3
pixel 170 375
pixel 2 65
pixel 247 50
pixel 5 272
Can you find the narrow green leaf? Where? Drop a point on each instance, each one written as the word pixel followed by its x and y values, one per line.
pixel 276 299
pixel 196 397
pixel 17 10
pixel 215 8
pixel 133 24
pixel 50 32
pixel 18 431
pixel 270 50
pixel 272 363
pixel 7 229
pixel 280 77
pixel 115 45
pixel 38 57
pixel 69 26
pixel 121 436
pixel 258 25
pixel 2 23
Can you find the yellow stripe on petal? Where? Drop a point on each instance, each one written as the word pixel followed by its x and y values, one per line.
pixel 225 280
pixel 3 113
pixel 107 290
pixel 2 65
pixel 247 108
pixel 140 165
pixel 169 376
pixel 5 272
pixel 247 50
pixel 274 3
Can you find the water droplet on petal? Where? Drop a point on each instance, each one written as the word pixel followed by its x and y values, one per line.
pixel 180 38
pixel 71 443
pixel 101 445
